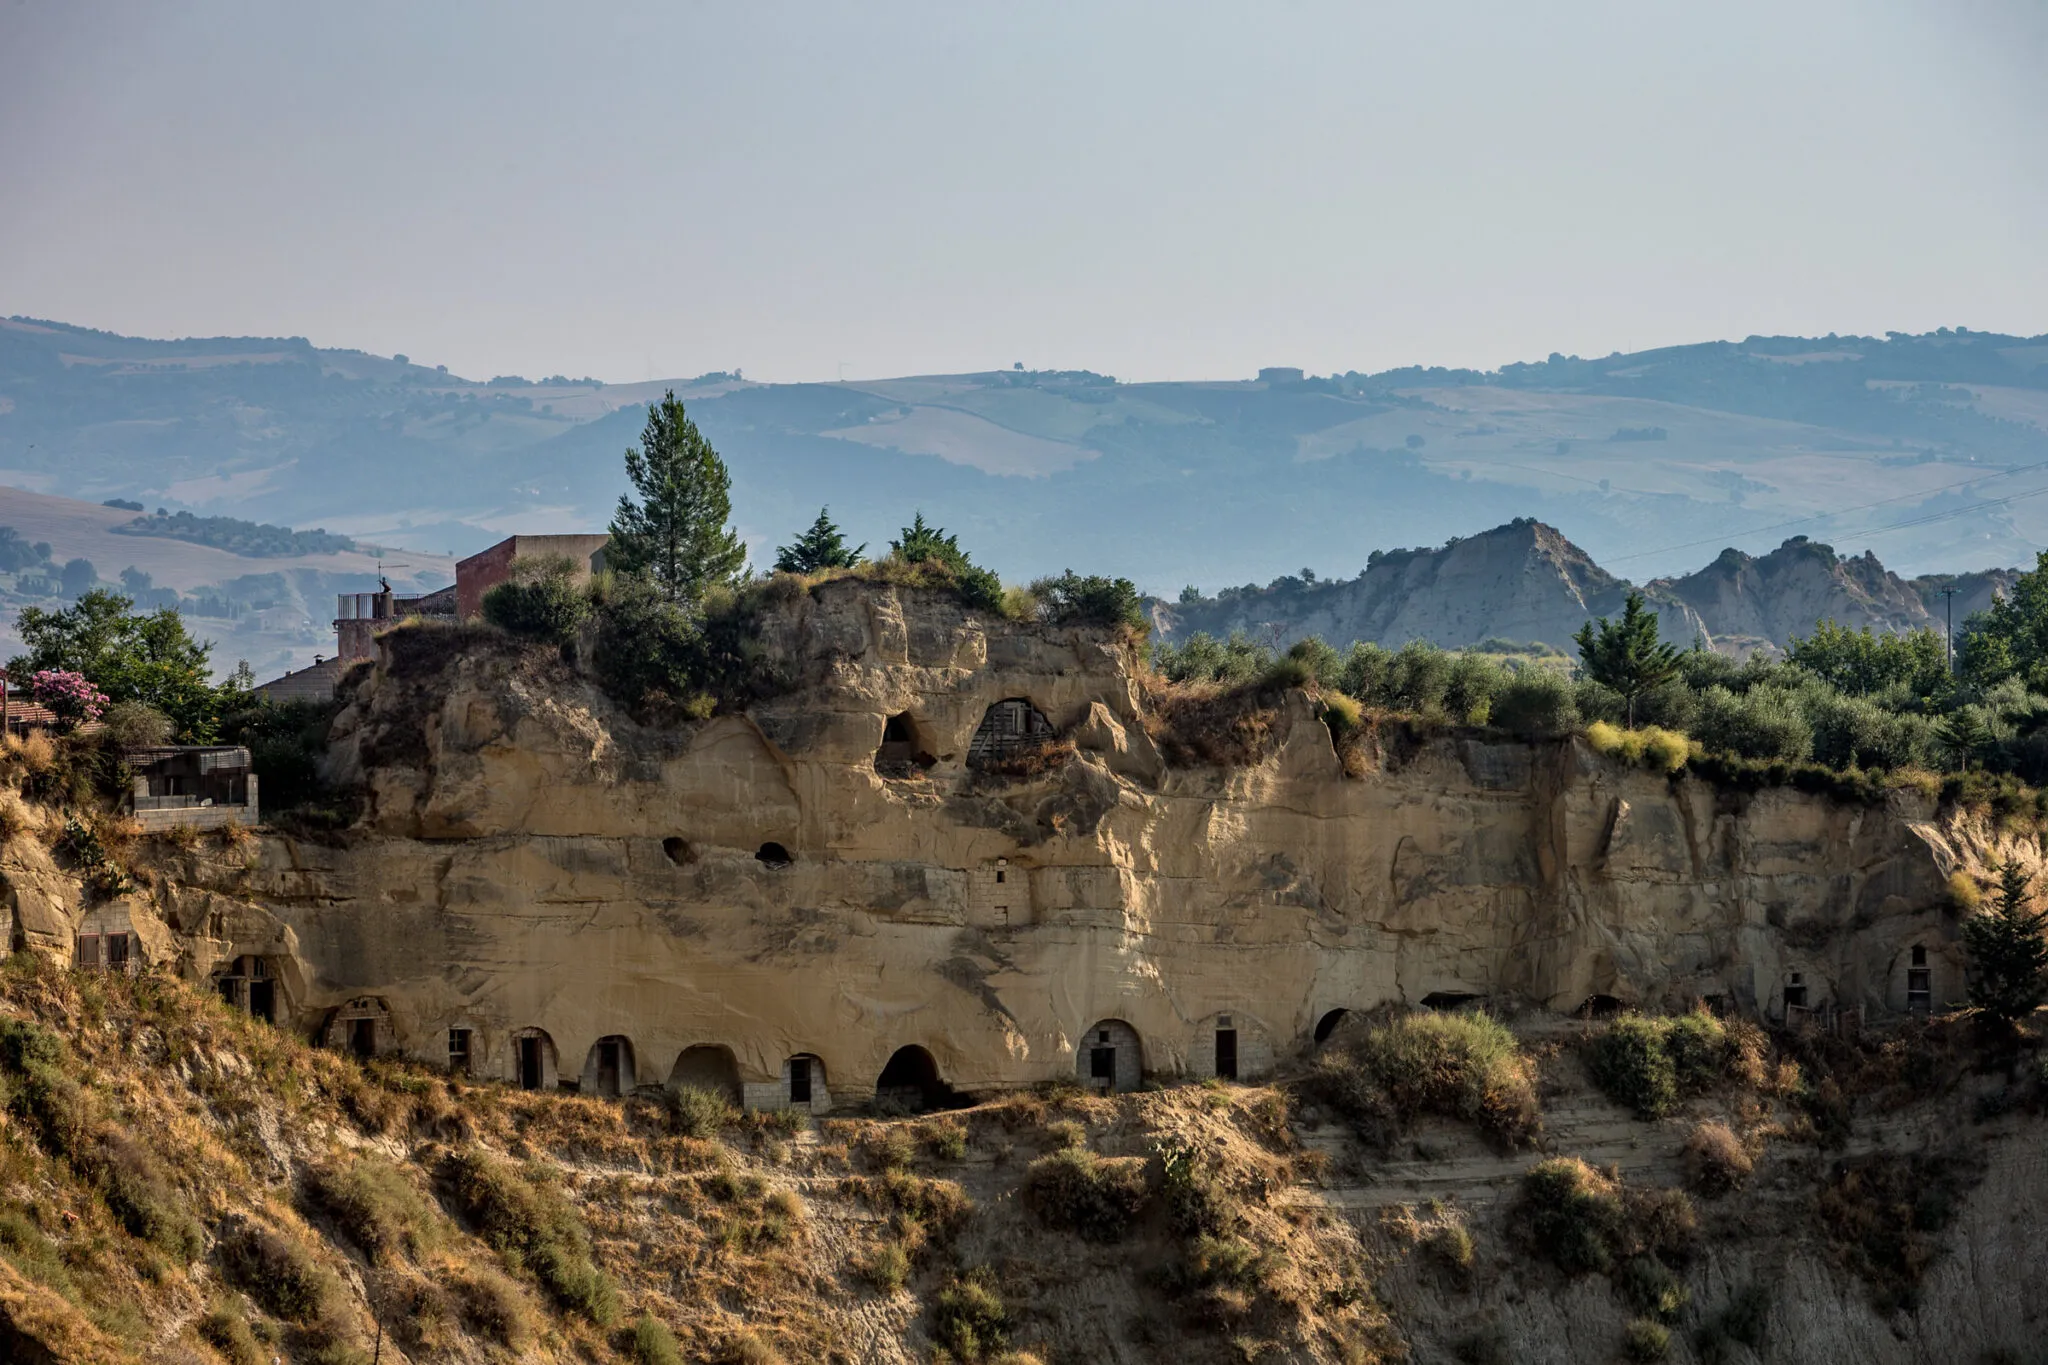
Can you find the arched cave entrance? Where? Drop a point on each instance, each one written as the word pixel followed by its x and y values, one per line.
pixel 678 850
pixel 903 751
pixel 608 1069
pixel 1599 1007
pixel 773 855
pixel 707 1066
pixel 1009 729
pixel 1110 1057
pixel 910 1084
pixel 533 1059
pixel 1327 1025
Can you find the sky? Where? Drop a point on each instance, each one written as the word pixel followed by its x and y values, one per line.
pixel 1153 191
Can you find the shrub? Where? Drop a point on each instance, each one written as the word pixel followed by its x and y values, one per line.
pixel 225 1330
pixel 1536 704
pixel 1648 1063
pixel 1466 1066
pixel 136 725
pixel 653 1343
pixel 493 1305
pixel 1341 714
pixel 1964 895
pixel 528 1222
pixel 376 1207
pixel 279 1274
pixel 1648 1284
pixel 946 1139
pixel 1646 1341
pixel 887 1267
pixel 1098 1197
pixel 1090 600
pixel 969 1318
pixel 1715 1159
pixel 1660 750
pixel 1766 722
pixel 1195 1203
pixel 541 601
pixel 699 1113
pixel 1450 1245
pixel 1573 1214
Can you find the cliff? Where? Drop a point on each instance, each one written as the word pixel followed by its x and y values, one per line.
pixel 1766 600
pixel 950 862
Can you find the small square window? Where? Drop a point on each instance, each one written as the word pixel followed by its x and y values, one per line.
pixel 458 1051
pixel 1102 1035
pixel 117 952
pixel 1919 955
pixel 1001 876
pixel 88 950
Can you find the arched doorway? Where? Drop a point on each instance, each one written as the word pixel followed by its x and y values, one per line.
pixel 902 752
pixel 1327 1025
pixel 1110 1057
pixel 361 1028
pixel 608 1068
pixel 1008 728
pixel 707 1066
pixel 533 1060
pixel 911 1084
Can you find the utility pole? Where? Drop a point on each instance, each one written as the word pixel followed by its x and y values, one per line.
pixel 1950 638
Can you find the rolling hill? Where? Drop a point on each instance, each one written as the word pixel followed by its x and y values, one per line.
pixel 1931 449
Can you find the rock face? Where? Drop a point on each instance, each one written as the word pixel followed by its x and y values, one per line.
pixel 1755 601
pixel 535 865
pixel 1520 582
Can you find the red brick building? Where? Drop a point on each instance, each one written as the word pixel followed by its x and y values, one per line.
pixel 486 569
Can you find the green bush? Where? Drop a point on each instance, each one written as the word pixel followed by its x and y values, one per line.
pixel 1536 704
pixel 541 601
pixel 528 1222
pixel 225 1330
pixel 1649 1064
pixel 1646 1341
pixel 1090 600
pixel 279 1274
pixel 1573 1214
pixel 969 1319
pixel 1766 722
pixel 699 1113
pixel 1465 1066
pixel 376 1207
pixel 653 1343
pixel 1098 1197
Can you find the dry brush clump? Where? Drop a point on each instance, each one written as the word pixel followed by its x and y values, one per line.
pixel 1211 724
pixel 1587 1221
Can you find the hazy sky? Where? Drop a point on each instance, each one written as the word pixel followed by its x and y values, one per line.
pixel 1154 191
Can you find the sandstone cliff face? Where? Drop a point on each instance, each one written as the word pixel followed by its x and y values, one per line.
pixel 531 859
pixel 1520 582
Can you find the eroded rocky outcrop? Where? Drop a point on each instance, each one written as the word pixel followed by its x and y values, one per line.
pixel 531 859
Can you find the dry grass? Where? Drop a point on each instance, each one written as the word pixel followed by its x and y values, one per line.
pixel 1716 1161
pixel 1211 724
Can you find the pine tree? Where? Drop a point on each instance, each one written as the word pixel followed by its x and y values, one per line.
pixel 2010 961
pixel 1963 735
pixel 821 547
pixel 676 535
pixel 1628 657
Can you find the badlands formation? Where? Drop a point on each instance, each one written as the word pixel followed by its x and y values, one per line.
pixel 859 883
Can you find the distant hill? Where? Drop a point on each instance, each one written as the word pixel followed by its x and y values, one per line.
pixel 275 610
pixel 1524 583
pixel 1652 459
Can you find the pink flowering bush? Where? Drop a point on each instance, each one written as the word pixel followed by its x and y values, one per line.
pixel 72 699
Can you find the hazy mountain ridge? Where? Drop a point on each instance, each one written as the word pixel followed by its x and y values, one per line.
pixel 1211 482
pixel 1526 583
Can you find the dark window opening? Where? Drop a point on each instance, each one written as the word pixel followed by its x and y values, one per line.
pixel 1327 1025
pixel 1920 990
pixel 458 1051
pixel 608 1067
pixel 679 851
pixel 910 1084
pixel 1226 1053
pixel 263 1001
pixel 1001 876
pixel 88 951
pixel 1919 955
pixel 230 991
pixel 902 752
pixel 117 952
pixel 799 1080
pixel 1102 1035
pixel 362 1037
pixel 774 855
pixel 1795 992
pixel 530 1073
pixel 1102 1063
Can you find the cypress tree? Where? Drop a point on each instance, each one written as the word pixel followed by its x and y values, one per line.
pixel 2009 960
pixel 676 535
pixel 821 547
pixel 1627 656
